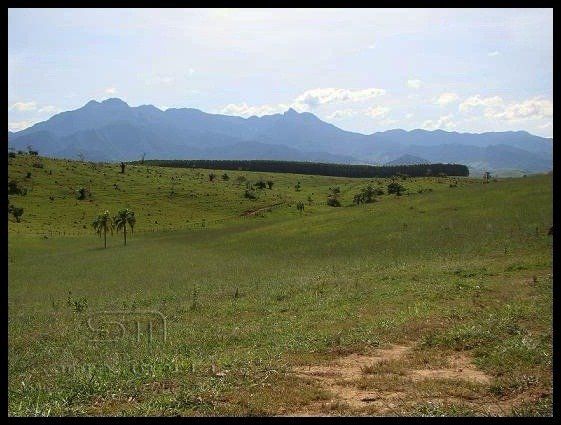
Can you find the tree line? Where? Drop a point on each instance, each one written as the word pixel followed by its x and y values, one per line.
pixel 316 168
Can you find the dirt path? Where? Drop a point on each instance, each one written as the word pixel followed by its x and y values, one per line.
pixel 258 210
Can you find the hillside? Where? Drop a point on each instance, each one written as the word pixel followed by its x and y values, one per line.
pixel 112 130
pixel 450 282
pixel 166 198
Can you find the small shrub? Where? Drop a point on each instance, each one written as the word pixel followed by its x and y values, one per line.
pixel 333 197
pixel 82 193
pixel 15 189
pixel 250 194
pixel 396 188
pixel 335 190
pixel 333 201
pixel 225 177
pixel 17 212
pixel 367 195
pixel 270 184
pixel 260 184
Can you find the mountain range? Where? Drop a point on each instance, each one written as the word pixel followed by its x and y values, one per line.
pixel 114 131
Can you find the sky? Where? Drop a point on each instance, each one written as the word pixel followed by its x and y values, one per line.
pixel 363 70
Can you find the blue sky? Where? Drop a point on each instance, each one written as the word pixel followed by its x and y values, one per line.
pixel 363 70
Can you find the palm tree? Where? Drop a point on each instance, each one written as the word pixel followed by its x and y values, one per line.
pixel 123 218
pixel 103 223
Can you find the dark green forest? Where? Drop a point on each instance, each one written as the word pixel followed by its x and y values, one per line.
pixel 316 168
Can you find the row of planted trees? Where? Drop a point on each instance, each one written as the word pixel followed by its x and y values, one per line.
pixel 105 223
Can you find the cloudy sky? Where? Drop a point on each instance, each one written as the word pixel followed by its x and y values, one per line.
pixel 362 70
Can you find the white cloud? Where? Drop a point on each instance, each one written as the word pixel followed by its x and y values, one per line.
pixel 315 97
pixel 110 90
pixel 191 71
pixel 49 109
pixel 310 99
pixel 245 110
pixel 444 122
pixel 536 108
pixel 19 125
pixel 446 98
pixel 23 106
pixel 377 111
pixel 496 108
pixel 409 115
pixel 495 53
pixel 477 101
pixel 342 113
pixel 414 84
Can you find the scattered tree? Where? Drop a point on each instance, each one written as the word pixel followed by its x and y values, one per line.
pixel 211 177
pixel 250 194
pixel 298 186
pixel 367 195
pixel 123 165
pixel 103 223
pixel 15 189
pixel 300 206
pixel 17 212
pixel 31 151
pixel 260 184
pixel 225 177
pixel 270 183
pixel 82 193
pixel 395 187
pixel 333 197
pixel 123 218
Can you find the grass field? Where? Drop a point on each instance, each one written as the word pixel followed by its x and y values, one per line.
pixel 437 302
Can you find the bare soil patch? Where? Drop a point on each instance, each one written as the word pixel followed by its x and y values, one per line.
pixel 390 381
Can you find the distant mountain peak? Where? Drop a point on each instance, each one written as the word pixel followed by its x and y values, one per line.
pixel 115 101
pixel 113 130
